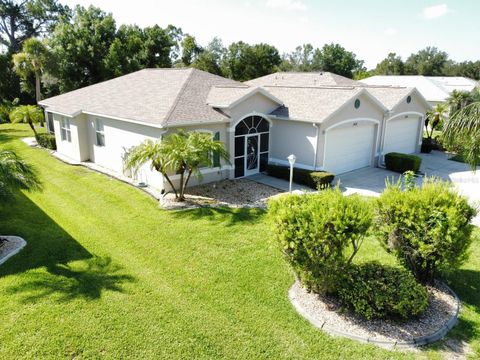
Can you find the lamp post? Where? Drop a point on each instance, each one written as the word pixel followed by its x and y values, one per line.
pixel 291 160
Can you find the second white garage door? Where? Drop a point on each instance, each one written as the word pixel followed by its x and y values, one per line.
pixel 349 148
pixel 402 135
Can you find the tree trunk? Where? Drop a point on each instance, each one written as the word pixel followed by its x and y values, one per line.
pixel 171 184
pixel 38 93
pixel 182 195
pixel 33 128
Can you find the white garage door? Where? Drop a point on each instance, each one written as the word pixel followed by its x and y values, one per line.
pixel 349 148
pixel 401 135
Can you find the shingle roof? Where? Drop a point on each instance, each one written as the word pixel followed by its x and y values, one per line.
pixel 155 96
pixel 311 103
pixel 303 79
pixel 389 96
pixel 224 96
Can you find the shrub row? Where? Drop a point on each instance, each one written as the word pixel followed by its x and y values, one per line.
pixel 313 179
pixel 402 162
pixel 46 141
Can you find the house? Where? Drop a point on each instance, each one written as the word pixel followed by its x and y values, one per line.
pixel 329 122
pixel 435 89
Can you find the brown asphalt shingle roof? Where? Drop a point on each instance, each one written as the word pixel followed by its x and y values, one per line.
pixel 303 79
pixel 164 97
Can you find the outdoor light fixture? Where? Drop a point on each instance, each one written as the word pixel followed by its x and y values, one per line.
pixel 291 160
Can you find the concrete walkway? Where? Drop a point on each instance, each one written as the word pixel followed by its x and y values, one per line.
pixel 278 183
pixel 371 181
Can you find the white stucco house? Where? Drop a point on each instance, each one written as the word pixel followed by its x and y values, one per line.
pixel 329 122
pixel 435 89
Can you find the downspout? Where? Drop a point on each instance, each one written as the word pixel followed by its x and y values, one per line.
pixel 317 128
pixel 381 160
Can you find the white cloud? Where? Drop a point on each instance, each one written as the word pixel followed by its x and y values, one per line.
pixel 390 31
pixel 435 11
pixel 286 4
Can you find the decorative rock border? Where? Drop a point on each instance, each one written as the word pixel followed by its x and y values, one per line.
pixel 415 342
pixel 19 244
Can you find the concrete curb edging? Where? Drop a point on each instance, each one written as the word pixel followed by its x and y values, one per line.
pixel 418 341
pixel 15 251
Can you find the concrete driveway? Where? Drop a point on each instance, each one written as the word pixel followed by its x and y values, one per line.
pixel 371 181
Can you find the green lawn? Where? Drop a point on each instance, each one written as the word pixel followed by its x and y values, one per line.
pixel 108 274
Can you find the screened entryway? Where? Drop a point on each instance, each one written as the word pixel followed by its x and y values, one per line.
pixel 251 146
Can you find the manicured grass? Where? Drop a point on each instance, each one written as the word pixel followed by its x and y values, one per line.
pixel 107 274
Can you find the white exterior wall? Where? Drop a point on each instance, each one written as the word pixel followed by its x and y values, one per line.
pixel 120 136
pixel 293 137
pixel 75 149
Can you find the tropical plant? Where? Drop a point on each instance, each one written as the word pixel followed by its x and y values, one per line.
pixel 32 61
pixel 458 100
pixel 15 174
pixel 183 153
pixel 462 131
pixel 435 118
pixel 28 114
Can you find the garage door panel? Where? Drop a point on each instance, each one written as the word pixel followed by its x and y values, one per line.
pixel 349 148
pixel 401 135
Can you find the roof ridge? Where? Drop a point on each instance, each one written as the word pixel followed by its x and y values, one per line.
pixel 341 87
pixel 177 98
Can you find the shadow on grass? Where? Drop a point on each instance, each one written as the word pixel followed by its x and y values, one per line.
pixel 222 215
pixel 85 280
pixel 466 284
pixel 65 266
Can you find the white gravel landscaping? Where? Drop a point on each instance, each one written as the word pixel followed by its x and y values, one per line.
pixel 232 193
pixel 328 315
pixel 11 247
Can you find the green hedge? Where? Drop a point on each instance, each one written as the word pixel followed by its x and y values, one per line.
pixel 378 291
pixel 313 179
pixel 402 162
pixel 46 141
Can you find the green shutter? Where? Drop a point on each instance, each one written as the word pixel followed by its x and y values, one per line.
pixel 216 155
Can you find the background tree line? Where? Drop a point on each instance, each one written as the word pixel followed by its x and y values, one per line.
pixel 48 48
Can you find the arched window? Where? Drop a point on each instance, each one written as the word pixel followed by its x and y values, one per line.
pixel 251 145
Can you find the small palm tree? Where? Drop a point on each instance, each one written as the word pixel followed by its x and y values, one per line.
pixel 435 118
pixel 458 100
pixel 31 60
pixel 178 153
pixel 29 114
pixel 15 174
pixel 462 131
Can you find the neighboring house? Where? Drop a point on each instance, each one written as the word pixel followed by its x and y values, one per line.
pixel 329 122
pixel 435 89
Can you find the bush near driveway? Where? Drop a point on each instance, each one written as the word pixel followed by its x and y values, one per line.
pixel 313 179
pixel 320 234
pixel 399 162
pixel 427 228
pixel 374 290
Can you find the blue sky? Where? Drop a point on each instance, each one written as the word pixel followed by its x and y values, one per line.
pixel 369 28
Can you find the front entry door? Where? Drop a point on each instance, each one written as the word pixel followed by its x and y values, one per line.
pixel 251 150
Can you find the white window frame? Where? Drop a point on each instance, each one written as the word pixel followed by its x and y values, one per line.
pixel 99 133
pixel 65 132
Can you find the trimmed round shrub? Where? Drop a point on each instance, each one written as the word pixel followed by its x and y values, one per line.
pixel 427 228
pixel 402 162
pixel 313 179
pixel 377 291
pixel 320 234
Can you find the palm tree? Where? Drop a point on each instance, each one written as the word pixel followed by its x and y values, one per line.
pixel 458 100
pixel 29 114
pixel 31 60
pixel 462 131
pixel 434 118
pixel 177 153
pixel 15 174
